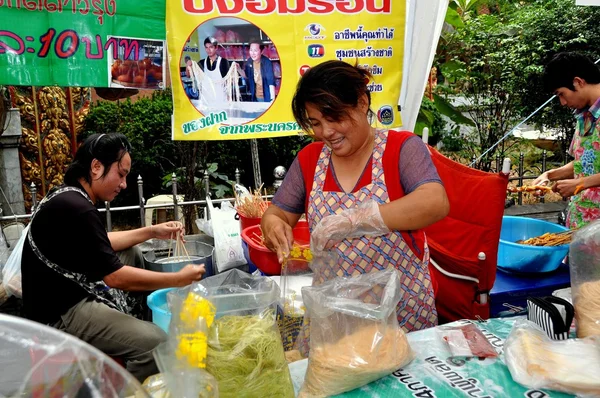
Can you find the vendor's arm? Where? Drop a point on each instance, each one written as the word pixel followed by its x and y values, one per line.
pixel 424 206
pixel 136 279
pixel 565 172
pixel 285 211
pixel 123 240
pixel 573 186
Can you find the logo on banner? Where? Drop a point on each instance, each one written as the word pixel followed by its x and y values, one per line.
pixel 316 51
pixel 385 115
pixel 303 69
pixel 314 29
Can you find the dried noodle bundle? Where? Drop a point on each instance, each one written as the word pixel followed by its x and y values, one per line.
pixel 372 352
pixel 587 309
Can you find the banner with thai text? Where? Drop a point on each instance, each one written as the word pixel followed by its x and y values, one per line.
pixel 90 43
pixel 252 53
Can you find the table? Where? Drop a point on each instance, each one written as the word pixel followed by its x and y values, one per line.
pixel 512 290
pixel 433 374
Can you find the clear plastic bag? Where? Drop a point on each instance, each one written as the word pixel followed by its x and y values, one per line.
pixel 40 361
pixel 245 353
pixel 182 358
pixel 536 361
pixel 11 273
pixel 467 341
pixel 354 336
pixel 584 259
pixel 295 273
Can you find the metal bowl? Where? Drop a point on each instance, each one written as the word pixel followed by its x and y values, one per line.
pixel 199 253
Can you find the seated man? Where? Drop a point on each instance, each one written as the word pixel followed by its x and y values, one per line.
pixel 72 278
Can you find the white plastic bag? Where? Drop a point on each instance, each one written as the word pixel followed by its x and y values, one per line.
pixel 226 230
pixel 11 273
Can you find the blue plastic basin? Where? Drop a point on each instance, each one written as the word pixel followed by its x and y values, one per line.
pixel 157 302
pixel 514 257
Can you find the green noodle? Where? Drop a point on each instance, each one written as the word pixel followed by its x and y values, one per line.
pixel 245 355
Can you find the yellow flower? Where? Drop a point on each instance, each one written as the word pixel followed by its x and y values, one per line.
pixel 307 254
pixel 296 252
pixel 195 307
pixel 193 347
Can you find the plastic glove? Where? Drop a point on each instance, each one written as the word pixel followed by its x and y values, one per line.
pixel 364 220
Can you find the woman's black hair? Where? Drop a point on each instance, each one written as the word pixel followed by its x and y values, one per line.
pixel 254 40
pixel 107 148
pixel 564 67
pixel 334 88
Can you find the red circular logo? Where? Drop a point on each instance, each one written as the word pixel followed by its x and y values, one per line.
pixel 303 69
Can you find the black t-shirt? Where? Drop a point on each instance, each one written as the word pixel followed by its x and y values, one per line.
pixel 68 230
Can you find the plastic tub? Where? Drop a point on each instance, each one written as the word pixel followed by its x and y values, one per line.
pixel 514 257
pixel 263 258
pixel 157 302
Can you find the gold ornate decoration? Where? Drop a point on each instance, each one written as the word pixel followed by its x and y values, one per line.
pixel 51 119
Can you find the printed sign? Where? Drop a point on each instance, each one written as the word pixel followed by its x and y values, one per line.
pixel 252 53
pixel 98 43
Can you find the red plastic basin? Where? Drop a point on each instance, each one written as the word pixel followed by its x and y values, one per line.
pixel 265 259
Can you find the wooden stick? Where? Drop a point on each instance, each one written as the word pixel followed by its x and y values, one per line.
pixel 170 245
pixel 185 250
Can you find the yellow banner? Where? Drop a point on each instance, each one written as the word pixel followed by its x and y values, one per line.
pixel 257 51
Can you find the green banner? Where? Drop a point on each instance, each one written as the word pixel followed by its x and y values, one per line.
pixel 90 43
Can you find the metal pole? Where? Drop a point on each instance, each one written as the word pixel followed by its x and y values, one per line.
pixel 498 163
pixel 566 156
pixel 141 200
pixel 206 191
pixel 255 163
pixel 542 199
pixel 108 218
pixel 175 208
pixel 237 175
pixel 521 166
pixel 473 162
pixel 33 190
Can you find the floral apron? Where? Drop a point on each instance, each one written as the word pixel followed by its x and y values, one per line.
pixel 114 298
pixel 416 309
pixel 584 207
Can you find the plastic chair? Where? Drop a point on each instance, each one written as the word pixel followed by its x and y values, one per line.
pixel 464 245
pixel 162 199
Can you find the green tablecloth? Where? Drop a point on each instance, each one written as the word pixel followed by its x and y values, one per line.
pixel 433 374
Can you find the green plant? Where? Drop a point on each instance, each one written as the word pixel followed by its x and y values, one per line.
pixel 220 184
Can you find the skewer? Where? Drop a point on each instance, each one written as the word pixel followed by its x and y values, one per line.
pixel 170 245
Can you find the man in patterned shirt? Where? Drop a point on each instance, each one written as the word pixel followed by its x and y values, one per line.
pixel 575 80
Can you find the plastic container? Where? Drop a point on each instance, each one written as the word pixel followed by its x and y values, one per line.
pixel 157 302
pixel 246 222
pixel 584 256
pixel 263 258
pixel 514 257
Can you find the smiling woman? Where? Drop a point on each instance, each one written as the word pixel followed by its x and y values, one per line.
pixel 72 276
pixel 367 193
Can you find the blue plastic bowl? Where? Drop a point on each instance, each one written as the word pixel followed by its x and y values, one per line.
pixel 157 301
pixel 514 257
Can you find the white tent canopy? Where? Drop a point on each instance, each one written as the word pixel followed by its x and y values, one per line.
pixel 424 21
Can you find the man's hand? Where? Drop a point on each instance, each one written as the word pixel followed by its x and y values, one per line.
pixel 189 274
pixel 567 188
pixel 168 230
pixel 542 179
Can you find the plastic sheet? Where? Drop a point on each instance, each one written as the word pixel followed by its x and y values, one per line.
pixel 40 361
pixel 467 341
pixel 354 338
pixel 536 361
pixel 584 258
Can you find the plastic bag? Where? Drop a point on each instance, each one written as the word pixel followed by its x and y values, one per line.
pixel 295 274
pixel 182 358
pixel 228 241
pixel 536 361
pixel 11 273
pixel 245 353
pixel 584 257
pixel 355 338
pixel 467 341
